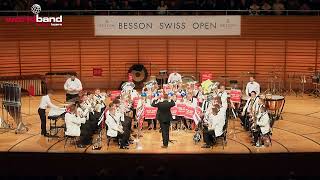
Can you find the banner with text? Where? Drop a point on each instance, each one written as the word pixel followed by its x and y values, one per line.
pixel 167 25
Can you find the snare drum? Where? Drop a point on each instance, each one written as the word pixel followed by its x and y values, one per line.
pixel 275 105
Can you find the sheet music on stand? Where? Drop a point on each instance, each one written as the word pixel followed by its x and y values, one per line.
pixel 56 112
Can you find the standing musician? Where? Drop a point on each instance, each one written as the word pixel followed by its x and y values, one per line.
pixel 73 86
pixel 252 86
pixel 250 110
pixel 262 125
pixel 44 103
pixel 174 78
pixel 164 116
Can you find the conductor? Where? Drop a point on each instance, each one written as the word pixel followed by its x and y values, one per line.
pixel 164 116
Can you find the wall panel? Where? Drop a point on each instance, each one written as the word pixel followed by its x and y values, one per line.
pixel 270 60
pixel 300 58
pixel 124 53
pixel 65 56
pixel 182 56
pixel 268 45
pixel 35 57
pixel 9 58
pixel 240 58
pixel 153 54
pixel 211 56
pixel 94 54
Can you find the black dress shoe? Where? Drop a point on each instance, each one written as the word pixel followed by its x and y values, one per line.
pixel 80 146
pixel 149 128
pixel 154 128
pixel 124 147
pixel 205 146
pixel 45 134
pixel 164 147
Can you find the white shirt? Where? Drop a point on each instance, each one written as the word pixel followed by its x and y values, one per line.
pixel 173 77
pixel 113 123
pixel 216 122
pixel 264 122
pixel 253 86
pixel 73 124
pixel 45 102
pixel 73 87
pixel 224 99
pixel 255 105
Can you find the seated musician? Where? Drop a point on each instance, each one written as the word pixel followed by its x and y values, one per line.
pixel 224 96
pixel 249 110
pixel 113 121
pixel 73 123
pixel 85 107
pixel 262 126
pixel 213 126
pixel 44 103
pixel 252 86
pixel 73 86
pixel 126 121
pixel 99 99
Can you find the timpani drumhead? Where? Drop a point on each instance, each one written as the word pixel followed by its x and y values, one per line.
pixel 277 97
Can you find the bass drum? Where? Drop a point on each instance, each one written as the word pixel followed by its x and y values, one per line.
pixel 139 73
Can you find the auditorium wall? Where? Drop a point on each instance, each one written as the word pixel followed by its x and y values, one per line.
pixel 283 46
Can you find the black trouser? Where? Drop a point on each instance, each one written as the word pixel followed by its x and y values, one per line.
pixel 126 125
pixel 85 134
pixel 165 132
pixel 43 118
pixel 245 121
pixel 154 121
pixel 256 134
pixel 208 136
pixel 71 96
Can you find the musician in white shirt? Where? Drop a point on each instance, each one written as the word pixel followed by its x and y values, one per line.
pixel 224 96
pixel 249 110
pixel 263 125
pixel 175 77
pixel 214 123
pixel 252 86
pixel 45 102
pixel 73 122
pixel 73 86
pixel 114 125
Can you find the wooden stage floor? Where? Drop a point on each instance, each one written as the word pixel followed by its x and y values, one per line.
pixel 298 131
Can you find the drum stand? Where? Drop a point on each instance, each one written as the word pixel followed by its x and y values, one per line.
pixel 3 123
pixel 316 91
pixel 290 87
pixel 233 131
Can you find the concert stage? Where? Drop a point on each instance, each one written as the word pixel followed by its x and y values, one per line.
pixel 298 131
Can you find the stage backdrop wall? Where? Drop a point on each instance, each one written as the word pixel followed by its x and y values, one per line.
pixel 267 44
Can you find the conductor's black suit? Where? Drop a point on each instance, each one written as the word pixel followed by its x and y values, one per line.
pixel 164 117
